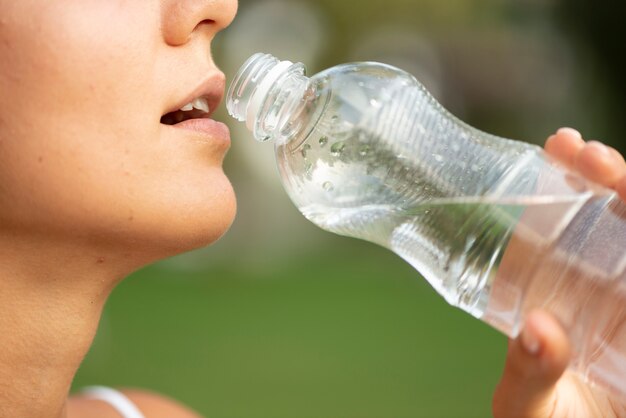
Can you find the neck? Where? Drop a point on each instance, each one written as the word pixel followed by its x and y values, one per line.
pixel 51 299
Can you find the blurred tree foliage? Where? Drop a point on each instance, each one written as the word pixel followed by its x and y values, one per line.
pixel 600 29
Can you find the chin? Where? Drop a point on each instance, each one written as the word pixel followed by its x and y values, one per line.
pixel 212 226
pixel 188 226
pixel 206 226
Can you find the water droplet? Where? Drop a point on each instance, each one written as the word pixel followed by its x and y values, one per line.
pixel 323 141
pixel 374 103
pixel 364 150
pixel 438 158
pixel 236 101
pixel 337 148
pixel 475 167
pixel 328 186
pixel 308 167
pixel 305 149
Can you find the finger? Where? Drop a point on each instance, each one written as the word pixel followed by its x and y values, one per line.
pixel 620 187
pixel 565 146
pixel 600 164
pixel 535 362
pixel 616 155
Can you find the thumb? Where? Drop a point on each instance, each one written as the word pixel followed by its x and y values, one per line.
pixel 535 362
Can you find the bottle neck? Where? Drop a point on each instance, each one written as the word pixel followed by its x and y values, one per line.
pixel 267 93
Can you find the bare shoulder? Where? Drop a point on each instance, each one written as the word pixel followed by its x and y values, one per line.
pixel 154 405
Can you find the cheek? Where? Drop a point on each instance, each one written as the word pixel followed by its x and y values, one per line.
pixel 72 71
pixel 81 67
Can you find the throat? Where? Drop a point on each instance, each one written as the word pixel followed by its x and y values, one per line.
pixel 49 314
pixel 44 341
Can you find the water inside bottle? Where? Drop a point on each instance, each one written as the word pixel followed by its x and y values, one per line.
pixel 457 244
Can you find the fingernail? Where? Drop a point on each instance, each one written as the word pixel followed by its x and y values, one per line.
pixel 570 131
pixel 530 341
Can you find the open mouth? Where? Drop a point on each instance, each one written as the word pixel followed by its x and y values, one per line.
pixel 196 109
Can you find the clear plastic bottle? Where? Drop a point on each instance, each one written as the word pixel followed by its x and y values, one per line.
pixel 493 224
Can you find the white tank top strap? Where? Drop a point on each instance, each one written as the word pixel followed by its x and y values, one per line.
pixel 115 398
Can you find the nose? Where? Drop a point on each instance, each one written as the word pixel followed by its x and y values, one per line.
pixel 182 18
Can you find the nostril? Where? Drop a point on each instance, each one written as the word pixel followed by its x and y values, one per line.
pixel 206 23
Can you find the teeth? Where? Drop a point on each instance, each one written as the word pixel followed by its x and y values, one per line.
pixel 199 103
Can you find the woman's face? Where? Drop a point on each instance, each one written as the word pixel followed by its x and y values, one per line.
pixel 83 150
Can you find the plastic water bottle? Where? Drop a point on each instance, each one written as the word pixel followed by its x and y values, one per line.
pixel 494 225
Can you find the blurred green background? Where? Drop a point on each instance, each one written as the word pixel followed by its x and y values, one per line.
pixel 280 319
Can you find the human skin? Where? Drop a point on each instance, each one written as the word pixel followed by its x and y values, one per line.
pixel 93 187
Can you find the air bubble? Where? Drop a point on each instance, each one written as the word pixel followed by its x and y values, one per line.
pixel 305 150
pixel 323 141
pixel 328 186
pixel 364 150
pixel 438 158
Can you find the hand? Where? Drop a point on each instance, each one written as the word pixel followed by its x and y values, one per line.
pixel 535 382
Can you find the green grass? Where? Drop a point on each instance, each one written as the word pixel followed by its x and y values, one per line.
pixel 352 331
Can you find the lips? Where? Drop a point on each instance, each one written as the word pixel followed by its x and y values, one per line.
pixel 213 128
pixel 198 108
pixel 199 104
pixel 193 112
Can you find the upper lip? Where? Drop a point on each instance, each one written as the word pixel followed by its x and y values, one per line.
pixel 211 88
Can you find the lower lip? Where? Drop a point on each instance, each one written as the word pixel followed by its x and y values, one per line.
pixel 207 127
